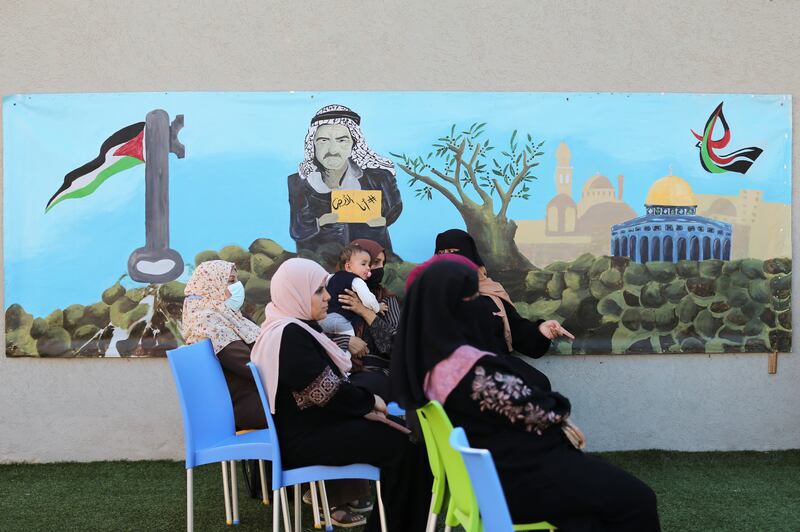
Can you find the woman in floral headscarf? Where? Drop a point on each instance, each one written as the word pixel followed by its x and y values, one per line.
pixel 211 310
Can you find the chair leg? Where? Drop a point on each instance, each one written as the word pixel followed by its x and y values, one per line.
pixel 276 507
pixel 298 510
pixel 315 504
pixel 234 493
pixel 262 471
pixel 380 507
pixel 226 493
pixel 431 524
pixel 285 505
pixel 326 509
pixel 189 500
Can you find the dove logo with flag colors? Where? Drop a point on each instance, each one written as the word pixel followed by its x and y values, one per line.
pixel 738 161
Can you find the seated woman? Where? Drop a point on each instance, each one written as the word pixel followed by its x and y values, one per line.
pixel 505 331
pixel 371 348
pixel 211 310
pixel 323 418
pixel 524 425
pixel 372 345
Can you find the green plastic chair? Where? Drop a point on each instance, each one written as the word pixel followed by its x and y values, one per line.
pixel 462 508
pixel 439 488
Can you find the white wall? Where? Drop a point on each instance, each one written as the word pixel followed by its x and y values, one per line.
pixel 53 410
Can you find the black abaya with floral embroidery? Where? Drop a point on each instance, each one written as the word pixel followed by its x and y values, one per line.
pixel 508 410
pixel 543 476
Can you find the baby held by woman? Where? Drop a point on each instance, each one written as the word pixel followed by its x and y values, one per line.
pixel 353 271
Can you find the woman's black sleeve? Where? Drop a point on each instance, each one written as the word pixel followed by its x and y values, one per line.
pixel 313 380
pixel 526 337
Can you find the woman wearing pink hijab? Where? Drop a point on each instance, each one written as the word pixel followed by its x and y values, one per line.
pixel 323 418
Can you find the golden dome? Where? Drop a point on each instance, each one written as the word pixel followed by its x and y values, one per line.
pixel 671 191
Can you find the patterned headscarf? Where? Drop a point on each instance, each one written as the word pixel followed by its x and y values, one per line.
pixel 362 155
pixel 205 314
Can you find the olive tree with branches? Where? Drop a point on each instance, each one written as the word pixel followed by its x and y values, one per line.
pixel 480 186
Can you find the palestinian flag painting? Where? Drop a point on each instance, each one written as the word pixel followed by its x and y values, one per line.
pixel 121 151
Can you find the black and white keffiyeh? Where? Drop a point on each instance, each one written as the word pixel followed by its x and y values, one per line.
pixel 362 155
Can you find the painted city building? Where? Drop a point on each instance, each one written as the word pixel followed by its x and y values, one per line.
pixel 571 228
pixel 671 230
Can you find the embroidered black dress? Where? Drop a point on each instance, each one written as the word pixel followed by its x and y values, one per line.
pixel 372 370
pixel 517 418
pixel 319 414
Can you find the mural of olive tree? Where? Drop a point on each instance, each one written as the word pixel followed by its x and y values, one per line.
pixel 480 183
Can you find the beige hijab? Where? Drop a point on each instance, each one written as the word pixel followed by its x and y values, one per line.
pixel 205 314
pixel 291 289
pixel 495 291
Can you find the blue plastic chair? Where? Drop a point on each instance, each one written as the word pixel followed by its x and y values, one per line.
pixel 395 409
pixel 495 516
pixel 208 424
pixel 281 478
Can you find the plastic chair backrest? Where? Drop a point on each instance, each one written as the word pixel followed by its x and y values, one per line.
pixel 485 483
pixel 437 468
pixel 272 433
pixel 205 402
pixel 463 501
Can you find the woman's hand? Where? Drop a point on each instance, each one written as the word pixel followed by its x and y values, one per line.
pixel 573 434
pixel 551 330
pixel 357 347
pixel 380 405
pixel 350 301
pixel 384 308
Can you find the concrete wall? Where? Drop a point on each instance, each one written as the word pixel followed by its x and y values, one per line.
pixel 53 410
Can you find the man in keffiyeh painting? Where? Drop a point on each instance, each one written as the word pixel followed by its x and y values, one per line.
pixel 337 157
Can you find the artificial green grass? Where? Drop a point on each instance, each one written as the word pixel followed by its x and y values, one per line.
pixel 742 491
pixel 696 491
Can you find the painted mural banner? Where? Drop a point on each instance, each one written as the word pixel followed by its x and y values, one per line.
pixel 645 223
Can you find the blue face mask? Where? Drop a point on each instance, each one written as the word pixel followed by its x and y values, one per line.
pixel 236 300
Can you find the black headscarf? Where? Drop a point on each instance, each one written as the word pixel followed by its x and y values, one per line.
pixel 460 240
pixel 435 322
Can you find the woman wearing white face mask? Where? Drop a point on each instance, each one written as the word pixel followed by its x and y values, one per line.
pixel 211 310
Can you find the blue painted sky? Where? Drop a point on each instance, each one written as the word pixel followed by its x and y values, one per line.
pixel 231 187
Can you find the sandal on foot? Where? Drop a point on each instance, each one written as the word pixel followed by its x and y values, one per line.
pixel 307 497
pixel 344 518
pixel 360 506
